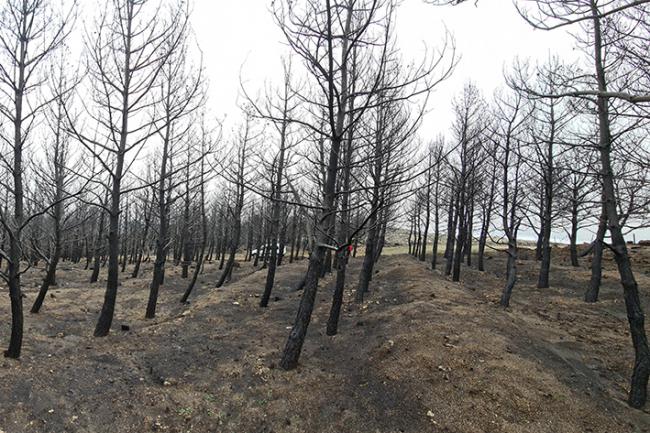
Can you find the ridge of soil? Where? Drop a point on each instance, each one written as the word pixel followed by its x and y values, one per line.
pixel 422 354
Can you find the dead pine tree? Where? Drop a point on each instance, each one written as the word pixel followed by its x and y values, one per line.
pixel 344 222
pixel 428 180
pixel 335 21
pixel 279 110
pixel 324 36
pixel 600 20
pixel 236 172
pixel 487 198
pixel 30 32
pixel 59 177
pixel 578 187
pixel 180 94
pixel 206 142
pixel 549 120
pixel 468 127
pixel 99 245
pixel 126 54
pixel 510 116
pixel 437 149
pixel 146 203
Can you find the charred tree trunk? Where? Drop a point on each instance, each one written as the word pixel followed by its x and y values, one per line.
pixel 162 240
pixel 185 230
pixel 238 208
pixel 125 236
pixel 511 274
pixel 591 295
pixel 106 316
pixel 573 236
pixel 99 247
pixel 639 381
pixel 140 253
pixel 277 205
pixel 344 233
pixel 427 212
pixel 204 229
pixel 451 240
pixel 59 157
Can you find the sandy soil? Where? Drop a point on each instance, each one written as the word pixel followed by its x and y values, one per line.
pixel 423 354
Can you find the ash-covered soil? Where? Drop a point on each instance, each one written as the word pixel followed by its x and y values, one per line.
pixel 422 354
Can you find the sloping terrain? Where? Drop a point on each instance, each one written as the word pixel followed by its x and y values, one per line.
pixel 422 354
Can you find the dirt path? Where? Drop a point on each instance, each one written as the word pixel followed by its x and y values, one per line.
pixel 421 355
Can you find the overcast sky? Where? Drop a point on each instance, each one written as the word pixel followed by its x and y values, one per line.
pixel 241 38
pixel 241 34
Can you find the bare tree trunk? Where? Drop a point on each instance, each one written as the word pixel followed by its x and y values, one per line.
pixel 460 241
pixel 573 237
pixel 148 209
pixel 485 223
pixel 547 214
pixel 276 204
pixel 591 295
pixel 204 228
pixel 126 236
pixel 106 316
pixel 511 273
pixel 59 159
pixel 99 247
pixel 371 242
pixel 470 233
pixel 239 206
pixel 410 237
pixel 185 230
pixel 639 381
pixel 163 227
pixel 451 238
pixel 344 231
pixel 436 235
pixel 427 212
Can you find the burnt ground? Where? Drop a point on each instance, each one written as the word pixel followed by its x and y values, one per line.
pixel 422 354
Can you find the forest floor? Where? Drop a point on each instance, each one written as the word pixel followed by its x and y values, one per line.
pixel 422 354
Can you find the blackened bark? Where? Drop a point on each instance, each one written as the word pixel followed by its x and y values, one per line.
pixel 410 237
pixel 434 247
pixel 469 235
pixel 371 242
pixel 106 316
pixel 460 241
pixel 162 240
pixel 451 240
pixel 427 212
pixel 573 236
pixel 597 250
pixel 344 232
pixel 99 247
pixel 204 230
pixel 293 347
pixel 485 223
pixel 641 372
pixel 59 179
pixel 277 205
pixel 147 222
pixel 235 235
pixel 511 274
pixel 125 237
pixel 547 214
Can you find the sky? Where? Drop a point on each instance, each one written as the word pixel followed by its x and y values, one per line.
pixel 239 38
pixel 240 42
